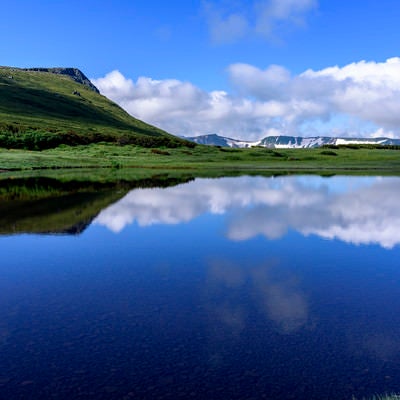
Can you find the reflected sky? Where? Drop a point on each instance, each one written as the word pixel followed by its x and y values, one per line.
pixel 279 299
pixel 355 210
pixel 219 288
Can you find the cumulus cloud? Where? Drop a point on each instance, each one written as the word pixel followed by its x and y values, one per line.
pixel 364 213
pixel 231 21
pixel 360 99
pixel 367 91
pixel 184 109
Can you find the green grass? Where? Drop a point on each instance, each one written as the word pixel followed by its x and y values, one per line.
pixel 106 155
pixel 39 110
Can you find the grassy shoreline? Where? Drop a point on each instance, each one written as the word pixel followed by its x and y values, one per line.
pixel 205 158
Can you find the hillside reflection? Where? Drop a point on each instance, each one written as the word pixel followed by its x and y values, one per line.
pixel 352 209
pixel 53 206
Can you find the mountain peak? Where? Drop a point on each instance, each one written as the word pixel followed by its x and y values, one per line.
pixel 287 142
pixel 74 73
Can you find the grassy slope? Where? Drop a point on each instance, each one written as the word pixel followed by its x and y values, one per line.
pixel 43 104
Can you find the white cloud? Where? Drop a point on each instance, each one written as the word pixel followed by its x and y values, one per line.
pixel 368 91
pixel 263 84
pixel 382 133
pixel 224 27
pixel 230 21
pixel 366 212
pixel 360 99
pixel 271 14
pixel 184 109
pixel 374 73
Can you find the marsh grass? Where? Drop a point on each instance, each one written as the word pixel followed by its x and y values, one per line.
pixel 114 156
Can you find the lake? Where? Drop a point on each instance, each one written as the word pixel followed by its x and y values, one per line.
pixel 233 288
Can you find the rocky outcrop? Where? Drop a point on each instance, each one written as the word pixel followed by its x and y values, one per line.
pixel 74 73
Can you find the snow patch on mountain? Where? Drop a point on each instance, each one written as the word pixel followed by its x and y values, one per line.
pixel 288 142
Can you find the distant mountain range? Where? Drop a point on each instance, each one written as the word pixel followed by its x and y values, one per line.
pixel 286 142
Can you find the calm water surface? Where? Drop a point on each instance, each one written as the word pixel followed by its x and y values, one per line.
pixel 234 288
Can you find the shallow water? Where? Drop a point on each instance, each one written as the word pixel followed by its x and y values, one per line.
pixel 233 288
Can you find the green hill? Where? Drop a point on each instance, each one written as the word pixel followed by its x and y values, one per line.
pixel 44 107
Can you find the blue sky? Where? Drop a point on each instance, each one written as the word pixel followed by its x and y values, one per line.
pixel 237 68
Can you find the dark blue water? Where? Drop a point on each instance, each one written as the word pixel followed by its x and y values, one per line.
pixel 237 288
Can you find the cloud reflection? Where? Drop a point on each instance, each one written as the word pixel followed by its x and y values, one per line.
pixel 354 210
pixel 282 301
pixel 274 294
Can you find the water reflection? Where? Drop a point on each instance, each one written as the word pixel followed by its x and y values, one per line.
pixel 277 297
pixel 379 345
pixel 183 311
pixel 52 206
pixel 354 210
